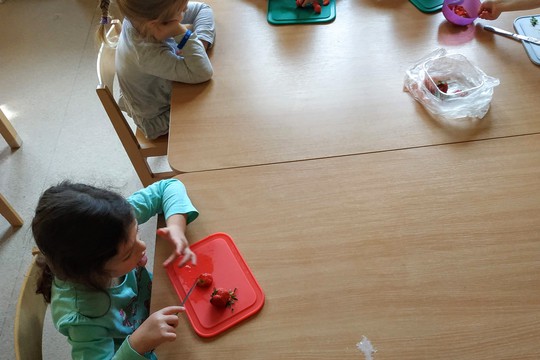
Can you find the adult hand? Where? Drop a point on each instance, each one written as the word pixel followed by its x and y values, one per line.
pixel 154 331
pixel 489 10
pixel 176 237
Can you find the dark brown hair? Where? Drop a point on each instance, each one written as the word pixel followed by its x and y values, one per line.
pixel 78 228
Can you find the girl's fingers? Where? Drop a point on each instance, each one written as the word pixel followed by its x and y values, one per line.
pixel 163 232
pixel 179 247
pixel 188 255
pixel 193 257
pixel 170 335
pixel 170 259
pixel 172 310
pixel 167 332
pixel 176 253
pixel 172 320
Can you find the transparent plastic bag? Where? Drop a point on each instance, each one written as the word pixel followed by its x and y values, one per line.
pixel 450 87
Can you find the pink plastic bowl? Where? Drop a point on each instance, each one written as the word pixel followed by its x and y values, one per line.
pixel 471 6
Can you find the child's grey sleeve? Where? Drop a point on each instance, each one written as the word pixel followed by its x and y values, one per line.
pixel 201 16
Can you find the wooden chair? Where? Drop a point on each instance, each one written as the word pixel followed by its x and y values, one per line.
pixel 29 316
pixel 8 132
pixel 15 142
pixel 137 146
pixel 9 213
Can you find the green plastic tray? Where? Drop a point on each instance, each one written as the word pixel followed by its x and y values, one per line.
pixel 284 12
pixel 428 6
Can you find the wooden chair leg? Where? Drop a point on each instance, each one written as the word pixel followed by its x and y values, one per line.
pixel 9 213
pixel 8 132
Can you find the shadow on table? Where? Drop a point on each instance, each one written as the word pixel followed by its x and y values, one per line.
pixel 191 91
pixel 464 129
pixel 451 35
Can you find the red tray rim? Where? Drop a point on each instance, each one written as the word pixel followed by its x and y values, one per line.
pixel 247 312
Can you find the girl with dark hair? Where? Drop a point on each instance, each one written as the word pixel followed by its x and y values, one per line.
pixel 93 262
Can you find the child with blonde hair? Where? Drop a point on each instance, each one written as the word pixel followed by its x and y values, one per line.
pixel 161 41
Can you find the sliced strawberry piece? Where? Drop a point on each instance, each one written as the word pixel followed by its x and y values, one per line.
pixel 443 86
pixel 204 280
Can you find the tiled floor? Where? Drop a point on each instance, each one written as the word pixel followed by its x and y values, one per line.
pixel 47 90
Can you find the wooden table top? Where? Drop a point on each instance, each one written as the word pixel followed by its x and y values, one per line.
pixel 431 253
pixel 286 93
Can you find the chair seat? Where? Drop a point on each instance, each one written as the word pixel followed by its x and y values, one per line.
pixel 156 147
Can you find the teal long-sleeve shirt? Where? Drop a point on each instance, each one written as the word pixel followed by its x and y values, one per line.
pixel 98 324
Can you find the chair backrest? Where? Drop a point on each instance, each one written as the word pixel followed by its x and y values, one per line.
pixel 138 148
pixel 8 132
pixel 14 141
pixel 106 56
pixel 7 211
pixel 29 316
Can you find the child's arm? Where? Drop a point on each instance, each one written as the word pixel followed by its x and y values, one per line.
pixel 191 66
pixel 157 329
pixel 201 19
pixel 170 198
pixel 95 342
pixel 166 197
pixel 491 10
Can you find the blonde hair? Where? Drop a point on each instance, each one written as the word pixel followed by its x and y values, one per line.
pixel 139 13
pixel 101 34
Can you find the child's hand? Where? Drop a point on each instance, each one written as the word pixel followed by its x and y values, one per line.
pixel 489 10
pixel 164 30
pixel 175 235
pixel 154 331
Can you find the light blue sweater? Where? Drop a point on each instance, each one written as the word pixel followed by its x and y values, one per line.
pixel 98 324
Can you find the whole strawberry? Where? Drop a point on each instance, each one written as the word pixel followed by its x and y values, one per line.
pixel 222 298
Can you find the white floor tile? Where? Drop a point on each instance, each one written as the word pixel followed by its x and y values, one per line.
pixel 47 86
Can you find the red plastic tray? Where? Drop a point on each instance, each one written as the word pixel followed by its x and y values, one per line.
pixel 218 255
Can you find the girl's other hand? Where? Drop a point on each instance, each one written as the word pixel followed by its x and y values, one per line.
pixel 176 237
pixel 154 331
pixel 489 10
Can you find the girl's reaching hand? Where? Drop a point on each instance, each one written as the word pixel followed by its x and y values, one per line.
pixel 489 10
pixel 174 233
pixel 154 331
